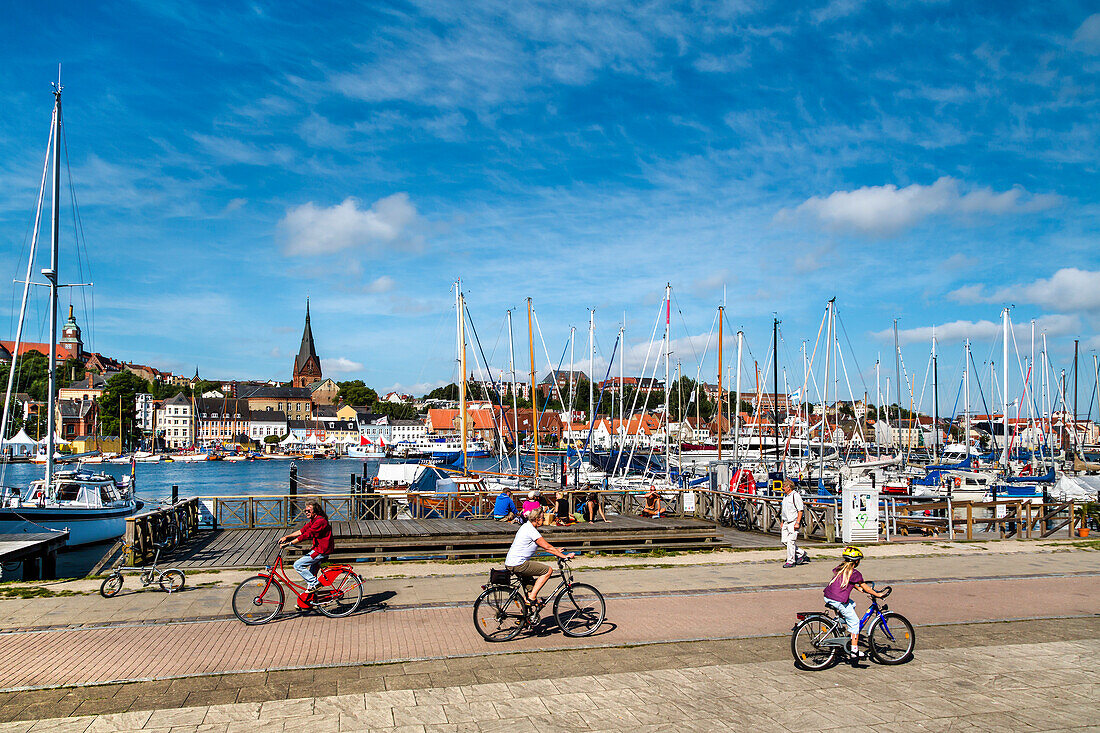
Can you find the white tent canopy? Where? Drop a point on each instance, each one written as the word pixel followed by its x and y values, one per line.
pixel 21 438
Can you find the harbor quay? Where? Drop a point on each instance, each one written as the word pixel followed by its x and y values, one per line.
pixel 1007 637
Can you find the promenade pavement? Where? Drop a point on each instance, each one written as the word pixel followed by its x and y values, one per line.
pixel 709 615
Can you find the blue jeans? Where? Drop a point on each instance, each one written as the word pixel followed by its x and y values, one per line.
pixel 847 611
pixel 306 565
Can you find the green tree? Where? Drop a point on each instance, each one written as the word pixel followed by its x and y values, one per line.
pixel 450 392
pixel 397 411
pixel 356 393
pixel 117 402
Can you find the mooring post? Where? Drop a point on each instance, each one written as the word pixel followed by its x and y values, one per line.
pixel 293 509
pixel 175 493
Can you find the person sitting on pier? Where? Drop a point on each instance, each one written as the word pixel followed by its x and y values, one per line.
pixel 526 543
pixel 505 508
pixel 318 530
pixel 562 513
pixel 593 509
pixel 652 503
pixel 532 501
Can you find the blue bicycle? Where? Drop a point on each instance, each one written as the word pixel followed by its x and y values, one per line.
pixel 735 514
pixel 820 639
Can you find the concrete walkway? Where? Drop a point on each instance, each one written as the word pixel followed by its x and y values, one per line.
pixel 1026 676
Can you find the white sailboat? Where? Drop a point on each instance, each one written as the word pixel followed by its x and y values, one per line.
pixel 92 507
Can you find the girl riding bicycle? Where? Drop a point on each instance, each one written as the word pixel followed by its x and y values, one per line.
pixel 839 591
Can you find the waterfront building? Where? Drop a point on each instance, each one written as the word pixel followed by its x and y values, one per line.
pixel 145 408
pixel 294 401
pixel 221 421
pixel 266 422
pixel 69 346
pixel 324 392
pixel 75 418
pixel 176 423
pixel 307 365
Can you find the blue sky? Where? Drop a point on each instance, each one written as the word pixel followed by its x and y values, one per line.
pixel 925 161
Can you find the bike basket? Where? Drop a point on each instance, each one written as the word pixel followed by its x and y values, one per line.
pixel 500 577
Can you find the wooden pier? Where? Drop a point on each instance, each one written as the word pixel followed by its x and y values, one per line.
pixel 37 551
pixel 452 539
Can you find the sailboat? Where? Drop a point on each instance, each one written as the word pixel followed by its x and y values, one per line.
pixel 92 506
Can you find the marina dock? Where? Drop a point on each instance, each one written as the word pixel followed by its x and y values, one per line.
pixel 36 551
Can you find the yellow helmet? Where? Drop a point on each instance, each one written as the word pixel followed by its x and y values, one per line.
pixel 852 553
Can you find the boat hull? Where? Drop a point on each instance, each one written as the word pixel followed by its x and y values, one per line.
pixel 85 526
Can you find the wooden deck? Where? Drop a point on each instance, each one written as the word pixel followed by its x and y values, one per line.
pixel 37 551
pixel 380 539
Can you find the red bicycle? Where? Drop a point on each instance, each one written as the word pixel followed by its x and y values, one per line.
pixel 259 599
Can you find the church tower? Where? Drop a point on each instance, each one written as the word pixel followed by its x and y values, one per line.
pixel 70 338
pixel 307 365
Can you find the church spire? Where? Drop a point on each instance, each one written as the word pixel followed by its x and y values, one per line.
pixel 307 365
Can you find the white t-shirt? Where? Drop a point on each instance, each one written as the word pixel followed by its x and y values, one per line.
pixel 792 505
pixel 523 546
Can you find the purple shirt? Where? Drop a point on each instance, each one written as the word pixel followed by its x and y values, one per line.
pixel 841 593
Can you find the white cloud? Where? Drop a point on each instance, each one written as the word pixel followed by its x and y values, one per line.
pixel 1067 289
pixel 811 260
pixel 714 281
pixel 1052 325
pixel 311 230
pixel 1087 37
pixel 880 211
pixel 382 284
pixel 340 365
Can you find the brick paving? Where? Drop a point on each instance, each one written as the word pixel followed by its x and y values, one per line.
pixel 1019 676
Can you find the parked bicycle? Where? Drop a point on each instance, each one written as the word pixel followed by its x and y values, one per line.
pixel 170 580
pixel 735 514
pixel 820 639
pixel 259 599
pixel 502 610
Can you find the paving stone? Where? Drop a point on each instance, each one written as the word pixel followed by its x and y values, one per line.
pixel 178 717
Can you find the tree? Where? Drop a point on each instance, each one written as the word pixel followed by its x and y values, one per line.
pixel 356 393
pixel 117 402
pixel 450 392
pixel 397 411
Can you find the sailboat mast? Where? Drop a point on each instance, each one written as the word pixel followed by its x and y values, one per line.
pixel 935 400
pixel 737 400
pixel 462 385
pixel 622 383
pixel 534 394
pixel 592 371
pixel 775 390
pixel 1076 343
pixel 51 275
pixel 721 324
pixel 1004 384
pixel 668 318
pixel 966 397
pixel 572 367
pixel 515 405
pixel 825 396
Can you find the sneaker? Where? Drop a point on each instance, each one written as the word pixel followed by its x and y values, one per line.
pixel 802 559
pixel 789 564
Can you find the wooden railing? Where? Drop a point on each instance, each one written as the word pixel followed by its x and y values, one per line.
pixel 168 524
pixel 1019 519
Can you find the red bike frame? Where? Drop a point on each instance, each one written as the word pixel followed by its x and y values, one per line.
pixel 276 573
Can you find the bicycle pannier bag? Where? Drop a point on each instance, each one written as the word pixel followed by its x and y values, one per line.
pixel 500 577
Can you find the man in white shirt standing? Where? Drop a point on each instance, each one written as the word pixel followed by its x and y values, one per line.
pixel 524 546
pixel 790 517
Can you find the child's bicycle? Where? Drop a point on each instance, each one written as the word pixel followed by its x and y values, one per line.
pixel 502 610
pixel 820 639
pixel 170 580
pixel 259 599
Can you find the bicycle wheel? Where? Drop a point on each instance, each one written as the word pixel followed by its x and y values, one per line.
pixel 579 610
pixel 257 600
pixel 806 643
pixel 725 517
pixel 172 580
pixel 892 639
pixel 111 585
pixel 741 520
pixel 499 613
pixel 341 597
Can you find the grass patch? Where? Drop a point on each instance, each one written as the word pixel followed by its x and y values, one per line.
pixel 35 592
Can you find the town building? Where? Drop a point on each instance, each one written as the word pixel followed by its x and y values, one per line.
pixel 91 387
pixel 222 421
pixel 145 409
pixel 265 423
pixel 294 401
pixel 324 392
pixel 176 423
pixel 75 418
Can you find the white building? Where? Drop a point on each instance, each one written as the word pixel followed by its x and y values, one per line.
pixel 145 412
pixel 266 422
pixel 176 422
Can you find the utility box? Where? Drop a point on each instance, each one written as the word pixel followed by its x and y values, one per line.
pixel 859 514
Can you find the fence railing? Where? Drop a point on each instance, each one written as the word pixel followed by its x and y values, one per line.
pixel 170 524
pixel 1019 519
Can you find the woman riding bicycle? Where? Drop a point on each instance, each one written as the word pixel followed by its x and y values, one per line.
pixel 318 530
pixel 839 591
pixel 524 546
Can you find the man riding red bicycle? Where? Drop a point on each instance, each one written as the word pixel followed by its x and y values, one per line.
pixel 317 528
